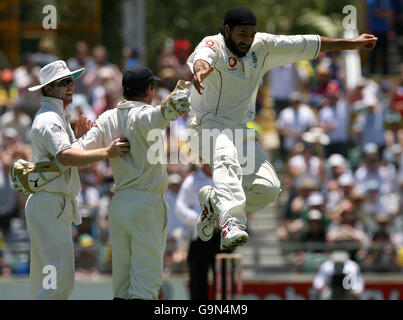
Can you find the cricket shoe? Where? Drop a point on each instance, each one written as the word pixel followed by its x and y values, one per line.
pixel 233 235
pixel 208 217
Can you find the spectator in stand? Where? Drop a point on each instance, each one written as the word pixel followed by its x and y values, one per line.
pixel 45 54
pixel 345 183
pixel 380 20
pixel 292 223
pixel 293 121
pixel 174 254
pixel 17 119
pixel 131 56
pixel 201 254
pixel 81 60
pixel 334 119
pixel 381 256
pixel 323 77
pixel 336 166
pixel 8 91
pixel 369 125
pixel 88 198
pixel 182 51
pixel 279 92
pixel 313 242
pixel 306 163
pixel 348 232
pixel 25 76
pixel 372 169
pixel 78 107
pixel 106 92
pixel 92 80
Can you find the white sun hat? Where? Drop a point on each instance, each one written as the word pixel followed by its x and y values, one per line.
pixel 54 71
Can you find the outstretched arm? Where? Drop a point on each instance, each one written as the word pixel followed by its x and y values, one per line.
pixel 367 41
pixel 201 70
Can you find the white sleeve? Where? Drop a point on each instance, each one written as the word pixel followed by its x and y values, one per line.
pixel 93 139
pixel 207 50
pixel 55 138
pixel 183 208
pixel 322 278
pixel 149 118
pixel 283 50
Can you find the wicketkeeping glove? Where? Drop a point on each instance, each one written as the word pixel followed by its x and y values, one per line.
pixel 177 103
pixel 28 177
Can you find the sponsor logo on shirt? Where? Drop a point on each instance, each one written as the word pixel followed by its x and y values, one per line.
pixel 254 59
pixel 232 61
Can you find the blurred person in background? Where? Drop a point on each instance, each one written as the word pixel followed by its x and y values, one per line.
pixel 81 59
pixel 78 107
pixel 131 57
pixel 369 125
pixel 339 278
pixel 25 76
pixel 334 119
pixel 174 252
pixel 323 76
pixel 372 168
pixel 8 195
pixel 17 119
pixel 279 92
pixel 293 121
pixel 174 54
pixel 45 53
pixel 92 80
pixel 182 51
pixel 313 242
pixel 292 222
pixel 201 254
pixel 8 91
pixel 347 231
pixel 345 183
pixel 381 256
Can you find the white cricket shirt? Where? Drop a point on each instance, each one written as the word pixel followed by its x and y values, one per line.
pixel 133 120
pixel 51 133
pixel 230 90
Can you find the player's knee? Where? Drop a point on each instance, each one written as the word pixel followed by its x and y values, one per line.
pixel 259 195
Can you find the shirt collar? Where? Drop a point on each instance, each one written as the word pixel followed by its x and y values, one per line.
pixel 125 104
pixel 54 103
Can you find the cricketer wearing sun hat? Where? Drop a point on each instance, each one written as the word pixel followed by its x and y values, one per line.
pixel 55 71
pixel 52 208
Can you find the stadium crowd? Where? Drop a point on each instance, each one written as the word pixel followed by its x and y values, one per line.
pixel 341 150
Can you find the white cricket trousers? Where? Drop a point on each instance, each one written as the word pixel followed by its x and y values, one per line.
pixel 243 178
pixel 138 229
pixel 48 217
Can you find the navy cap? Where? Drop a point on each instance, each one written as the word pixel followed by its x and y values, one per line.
pixel 240 16
pixel 137 77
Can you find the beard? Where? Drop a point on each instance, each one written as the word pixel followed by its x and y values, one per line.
pixel 233 47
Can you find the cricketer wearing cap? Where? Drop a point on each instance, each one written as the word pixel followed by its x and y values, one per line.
pixel 138 210
pixel 227 69
pixel 52 208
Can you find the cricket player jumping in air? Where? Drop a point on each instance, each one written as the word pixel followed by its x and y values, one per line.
pixel 227 69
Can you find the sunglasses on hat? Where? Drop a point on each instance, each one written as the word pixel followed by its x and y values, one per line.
pixel 65 82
